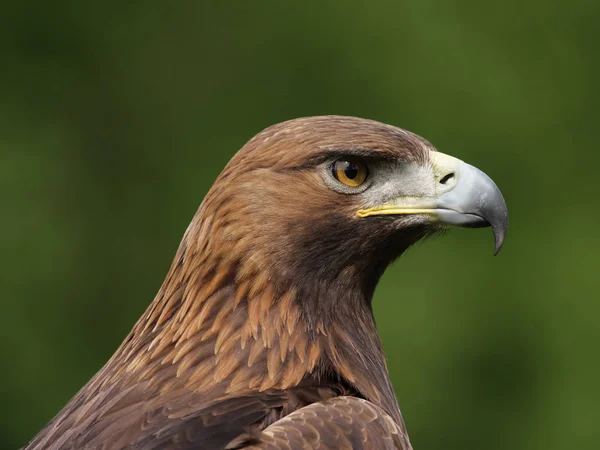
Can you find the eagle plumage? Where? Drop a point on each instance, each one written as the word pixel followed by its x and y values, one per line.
pixel 262 335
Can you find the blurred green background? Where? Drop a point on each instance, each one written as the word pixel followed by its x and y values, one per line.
pixel 115 118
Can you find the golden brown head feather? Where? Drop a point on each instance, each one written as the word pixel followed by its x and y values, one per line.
pixel 266 308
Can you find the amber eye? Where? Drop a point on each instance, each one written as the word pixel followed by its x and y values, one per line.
pixel 351 172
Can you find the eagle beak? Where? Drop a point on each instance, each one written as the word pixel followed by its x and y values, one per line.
pixel 462 195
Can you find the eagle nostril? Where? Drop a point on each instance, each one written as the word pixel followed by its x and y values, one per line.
pixel 447 178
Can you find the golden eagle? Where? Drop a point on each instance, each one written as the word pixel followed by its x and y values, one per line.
pixel 262 335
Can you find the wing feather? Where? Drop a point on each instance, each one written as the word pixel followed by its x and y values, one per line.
pixel 338 423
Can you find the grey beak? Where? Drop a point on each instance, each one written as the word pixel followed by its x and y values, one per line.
pixel 475 201
pixel 462 195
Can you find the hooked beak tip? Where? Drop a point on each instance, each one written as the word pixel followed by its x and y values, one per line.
pixel 499 238
pixel 499 229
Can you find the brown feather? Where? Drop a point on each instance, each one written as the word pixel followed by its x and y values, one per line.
pixel 262 333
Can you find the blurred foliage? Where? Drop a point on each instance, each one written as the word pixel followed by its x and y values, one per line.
pixel 116 117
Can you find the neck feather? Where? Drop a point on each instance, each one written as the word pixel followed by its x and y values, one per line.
pixel 233 323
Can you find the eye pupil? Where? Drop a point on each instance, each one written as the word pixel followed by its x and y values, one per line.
pixel 351 171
